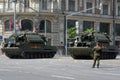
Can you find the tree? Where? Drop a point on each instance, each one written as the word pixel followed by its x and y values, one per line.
pixel 71 32
pixel 89 30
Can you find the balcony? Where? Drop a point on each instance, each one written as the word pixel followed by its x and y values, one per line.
pixel 84 14
pixel 29 10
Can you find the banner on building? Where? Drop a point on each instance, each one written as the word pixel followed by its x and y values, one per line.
pixel 20 26
pixel 10 24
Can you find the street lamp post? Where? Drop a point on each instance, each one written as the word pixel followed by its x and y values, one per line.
pixel 66 35
pixel 45 27
pixel 113 11
pixel 74 13
pixel 15 1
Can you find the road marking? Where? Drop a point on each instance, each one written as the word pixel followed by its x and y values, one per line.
pixel 63 77
pixel 114 74
pixel 106 73
pixel 5 70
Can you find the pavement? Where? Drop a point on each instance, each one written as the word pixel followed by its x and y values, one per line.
pixel 107 62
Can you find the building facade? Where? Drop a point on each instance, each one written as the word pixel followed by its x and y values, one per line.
pixel 48 17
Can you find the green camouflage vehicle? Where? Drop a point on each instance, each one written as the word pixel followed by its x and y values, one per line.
pixel 28 45
pixel 82 49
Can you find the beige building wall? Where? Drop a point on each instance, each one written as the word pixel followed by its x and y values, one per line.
pixel 56 9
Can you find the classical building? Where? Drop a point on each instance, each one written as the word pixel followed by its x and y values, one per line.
pixel 48 17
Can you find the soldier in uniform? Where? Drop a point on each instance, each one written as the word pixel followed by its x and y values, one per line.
pixel 97 51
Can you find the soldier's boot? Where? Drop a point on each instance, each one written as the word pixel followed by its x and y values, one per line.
pixel 97 65
pixel 93 66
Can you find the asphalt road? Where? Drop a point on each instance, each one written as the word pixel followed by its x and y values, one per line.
pixel 58 68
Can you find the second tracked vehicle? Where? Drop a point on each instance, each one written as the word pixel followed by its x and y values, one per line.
pixel 82 48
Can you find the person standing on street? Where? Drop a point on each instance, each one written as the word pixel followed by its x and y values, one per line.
pixel 96 52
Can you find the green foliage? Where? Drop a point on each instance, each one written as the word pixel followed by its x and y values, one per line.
pixel 89 30
pixel 71 32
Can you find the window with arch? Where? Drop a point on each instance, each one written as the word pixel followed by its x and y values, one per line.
pixel 26 25
pixel 9 25
pixel 43 24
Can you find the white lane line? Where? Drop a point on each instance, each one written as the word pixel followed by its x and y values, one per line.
pixel 106 73
pixel 63 77
pixel 5 70
pixel 114 74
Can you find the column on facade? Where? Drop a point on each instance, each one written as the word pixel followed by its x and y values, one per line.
pixel 1 28
pixel 61 34
pixel 55 31
pixel 97 4
pixel 97 26
pixel 80 25
pixel 76 5
pixel 111 31
pixel 36 25
pixel 66 5
pixel 111 28
pixel 81 4
pixel 51 6
pixel 61 30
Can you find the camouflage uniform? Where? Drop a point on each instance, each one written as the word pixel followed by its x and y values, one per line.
pixel 97 51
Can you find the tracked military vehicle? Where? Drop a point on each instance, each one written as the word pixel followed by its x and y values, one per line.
pixel 82 49
pixel 28 45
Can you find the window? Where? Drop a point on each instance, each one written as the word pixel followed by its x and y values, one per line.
pixel 117 29
pixel 118 7
pixel 9 25
pixel 118 0
pixel 26 25
pixel 104 27
pixel 9 4
pixel 105 9
pixel 44 4
pixel 88 25
pixel 42 26
pixel 88 6
pixel 55 6
pixel 118 10
pixel 71 23
pixel 26 3
pixel 117 43
pixel 71 4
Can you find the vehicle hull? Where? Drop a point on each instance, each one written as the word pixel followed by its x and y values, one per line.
pixel 87 53
pixel 16 52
